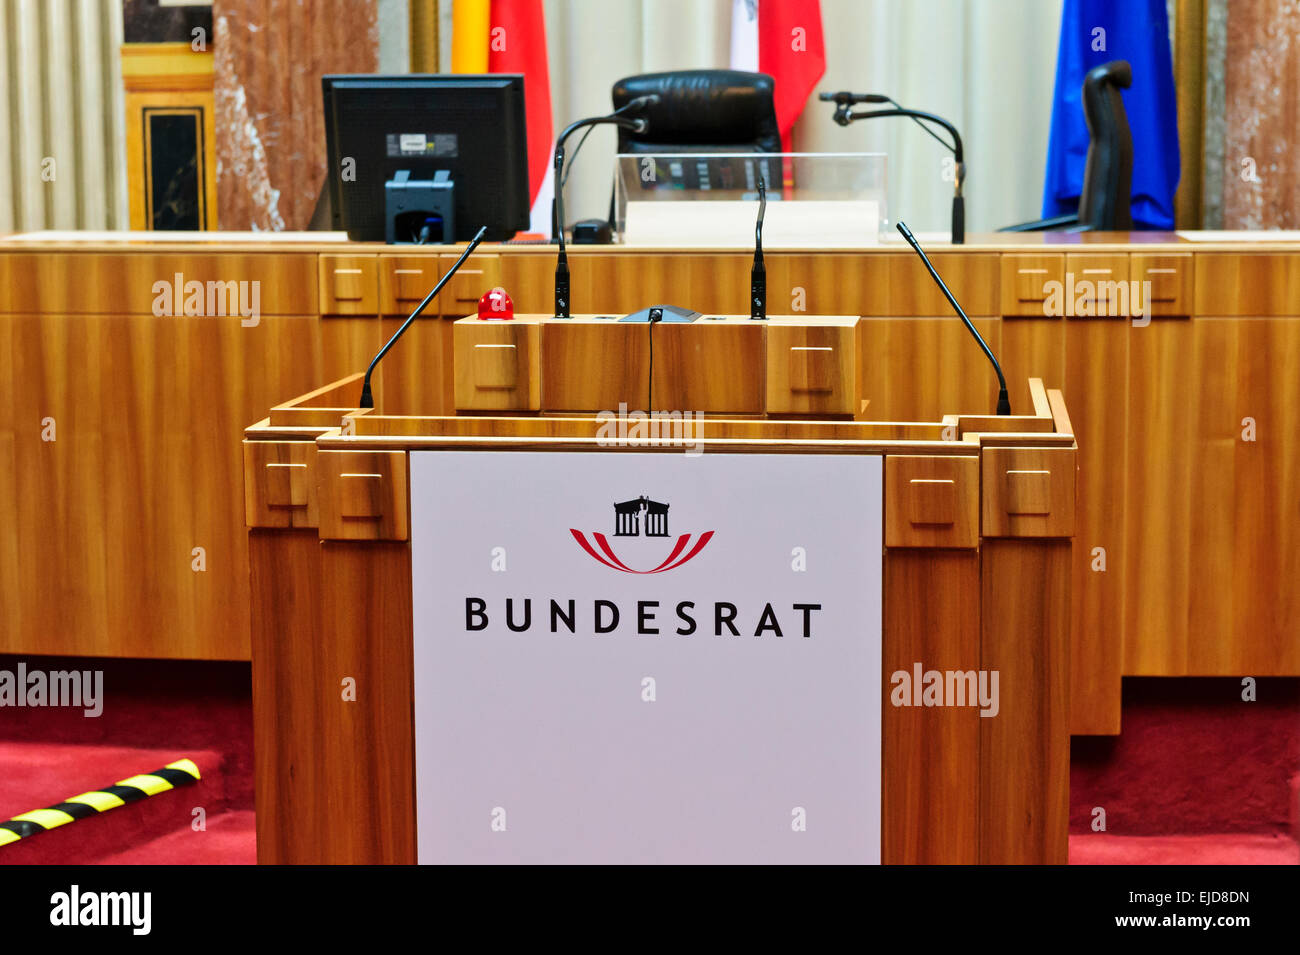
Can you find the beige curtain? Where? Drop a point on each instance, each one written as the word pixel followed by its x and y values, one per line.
pixel 987 65
pixel 61 110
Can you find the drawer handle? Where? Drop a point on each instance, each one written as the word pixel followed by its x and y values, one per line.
pixel 932 501
pixel 347 271
pixel 408 271
pixel 811 348
pixel 282 490
pixel 360 501
pixel 494 346
pixel 1096 271
pixel 1162 271
pixel 1031 271
pixel 1029 492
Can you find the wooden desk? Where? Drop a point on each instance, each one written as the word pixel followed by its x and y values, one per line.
pixel 1188 507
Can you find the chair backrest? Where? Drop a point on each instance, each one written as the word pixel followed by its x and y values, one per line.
pixel 702 111
pixel 1104 201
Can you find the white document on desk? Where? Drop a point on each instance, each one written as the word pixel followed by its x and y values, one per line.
pixel 820 224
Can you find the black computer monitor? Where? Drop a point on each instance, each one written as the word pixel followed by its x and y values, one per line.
pixel 471 129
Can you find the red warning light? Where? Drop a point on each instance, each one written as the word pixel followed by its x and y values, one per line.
pixel 496 306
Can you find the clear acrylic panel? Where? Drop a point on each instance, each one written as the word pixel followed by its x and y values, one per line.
pixel 814 200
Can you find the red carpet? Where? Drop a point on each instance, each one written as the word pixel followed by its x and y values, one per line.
pixel 1196 777
pixel 1237 849
pixel 154 712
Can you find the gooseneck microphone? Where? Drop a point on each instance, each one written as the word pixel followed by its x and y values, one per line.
pixel 844 115
pixel 758 273
pixel 1004 402
pixel 616 118
pixel 367 399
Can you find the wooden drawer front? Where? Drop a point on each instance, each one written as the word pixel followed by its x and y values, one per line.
pixel 931 501
pixel 1025 281
pixel 363 495
pixel 1028 492
pixel 810 370
pixel 349 285
pixel 480 273
pixel 404 281
pixel 1096 285
pixel 280 484
pixel 497 366
pixel 1171 281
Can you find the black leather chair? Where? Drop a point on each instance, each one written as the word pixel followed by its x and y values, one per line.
pixel 699 111
pixel 1104 201
pixel 702 111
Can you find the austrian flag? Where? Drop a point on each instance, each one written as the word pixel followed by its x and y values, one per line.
pixel 782 38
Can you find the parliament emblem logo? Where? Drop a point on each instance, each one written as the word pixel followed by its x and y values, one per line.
pixel 641 517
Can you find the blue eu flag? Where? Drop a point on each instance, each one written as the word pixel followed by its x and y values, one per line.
pixel 1095 32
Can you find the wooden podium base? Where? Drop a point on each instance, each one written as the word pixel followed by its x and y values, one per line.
pixel 978 527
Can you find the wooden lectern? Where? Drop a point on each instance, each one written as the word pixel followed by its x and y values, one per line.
pixel 978 525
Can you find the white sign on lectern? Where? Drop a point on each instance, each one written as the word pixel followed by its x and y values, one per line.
pixel 628 657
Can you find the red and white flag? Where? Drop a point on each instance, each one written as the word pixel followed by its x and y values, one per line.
pixel 782 38
pixel 517 44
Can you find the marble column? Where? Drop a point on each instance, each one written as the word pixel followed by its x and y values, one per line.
pixel 1261 142
pixel 270 56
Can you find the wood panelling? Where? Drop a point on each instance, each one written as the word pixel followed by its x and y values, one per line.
pixel 334 776
pixel 1024 773
pixel 1194 519
pixel 837 283
pixel 124 544
pixel 715 284
pixel 1037 344
pixel 1206 506
pixel 1097 380
pixel 417 375
pixel 931 755
pixel 1251 283
pixel 1164 415
pixel 127 284
pixel 919 369
pixel 291 697
pixel 481 273
pixel 972 279
pixel 530 280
